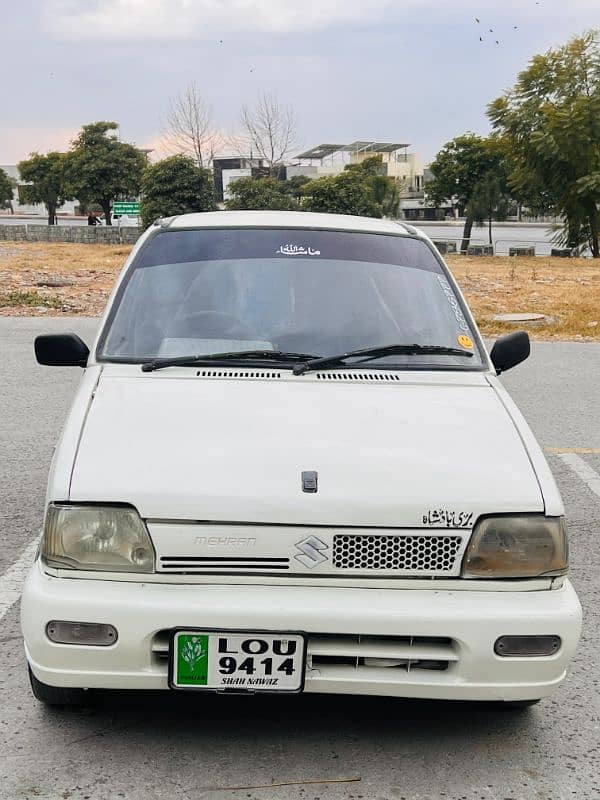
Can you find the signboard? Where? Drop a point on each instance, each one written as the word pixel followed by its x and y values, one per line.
pixel 131 209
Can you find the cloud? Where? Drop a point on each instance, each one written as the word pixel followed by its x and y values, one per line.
pixel 183 19
pixel 159 147
pixel 17 143
pixel 180 19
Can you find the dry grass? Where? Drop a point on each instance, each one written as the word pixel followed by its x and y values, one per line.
pixel 566 289
pixel 88 270
pixel 29 300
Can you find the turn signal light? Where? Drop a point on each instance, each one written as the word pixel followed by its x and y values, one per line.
pixel 516 646
pixel 93 634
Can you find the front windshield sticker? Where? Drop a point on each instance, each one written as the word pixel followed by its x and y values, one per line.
pixel 296 250
pixel 447 289
pixel 448 519
pixel 465 341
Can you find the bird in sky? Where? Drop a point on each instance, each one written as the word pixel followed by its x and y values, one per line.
pixel 491 30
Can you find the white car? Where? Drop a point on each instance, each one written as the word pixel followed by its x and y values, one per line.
pixel 290 466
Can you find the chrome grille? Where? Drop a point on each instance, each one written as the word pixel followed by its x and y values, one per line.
pixel 280 551
pixel 400 552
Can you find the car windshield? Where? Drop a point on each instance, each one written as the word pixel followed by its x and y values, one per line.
pixel 316 292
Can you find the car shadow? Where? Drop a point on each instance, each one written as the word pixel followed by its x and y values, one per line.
pixel 306 714
pixel 213 746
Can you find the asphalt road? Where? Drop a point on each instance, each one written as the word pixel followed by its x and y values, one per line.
pixel 145 748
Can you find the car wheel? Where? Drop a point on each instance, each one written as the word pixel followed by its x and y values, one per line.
pixel 57 695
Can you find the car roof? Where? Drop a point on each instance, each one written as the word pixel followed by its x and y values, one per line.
pixel 290 219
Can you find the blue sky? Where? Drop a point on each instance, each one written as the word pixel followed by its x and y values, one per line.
pixel 392 70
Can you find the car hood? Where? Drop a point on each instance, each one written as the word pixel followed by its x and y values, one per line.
pixel 403 453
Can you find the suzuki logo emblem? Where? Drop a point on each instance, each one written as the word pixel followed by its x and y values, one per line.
pixel 311 551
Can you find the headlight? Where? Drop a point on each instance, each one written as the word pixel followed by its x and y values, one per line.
pixel 517 547
pixel 96 538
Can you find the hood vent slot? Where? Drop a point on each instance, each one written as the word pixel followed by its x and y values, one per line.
pixel 358 376
pixel 227 374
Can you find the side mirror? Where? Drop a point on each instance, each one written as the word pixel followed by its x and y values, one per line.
pixel 61 350
pixel 510 350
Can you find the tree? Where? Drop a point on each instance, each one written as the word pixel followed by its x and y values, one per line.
pixel 270 130
pixel 293 186
pixel 551 117
pixel 371 166
pixel 175 185
pixel 99 168
pixel 361 189
pixel 260 193
pixel 491 196
pixel 346 193
pixel 341 194
pixel 7 186
pixel 45 176
pixel 458 172
pixel 489 200
pixel 188 126
pixel 387 192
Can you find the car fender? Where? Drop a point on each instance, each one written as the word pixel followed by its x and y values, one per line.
pixel 553 504
pixel 65 452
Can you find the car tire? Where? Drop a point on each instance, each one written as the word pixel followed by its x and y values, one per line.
pixel 57 695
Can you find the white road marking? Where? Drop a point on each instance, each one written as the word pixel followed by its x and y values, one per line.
pixel 11 583
pixel 590 451
pixel 583 470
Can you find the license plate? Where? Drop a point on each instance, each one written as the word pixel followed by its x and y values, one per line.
pixel 237 661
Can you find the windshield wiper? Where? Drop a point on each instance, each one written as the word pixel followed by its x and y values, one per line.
pixel 371 353
pixel 240 355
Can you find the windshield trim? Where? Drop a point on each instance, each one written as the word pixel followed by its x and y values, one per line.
pixel 484 366
pixel 289 365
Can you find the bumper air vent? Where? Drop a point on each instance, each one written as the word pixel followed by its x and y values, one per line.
pixel 343 655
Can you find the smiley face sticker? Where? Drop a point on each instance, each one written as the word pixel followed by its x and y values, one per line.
pixel 465 341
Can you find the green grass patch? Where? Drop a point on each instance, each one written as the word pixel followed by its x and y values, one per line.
pixel 29 300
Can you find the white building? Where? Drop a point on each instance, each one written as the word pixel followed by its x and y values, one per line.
pixel 19 206
pixel 331 159
pixel 228 168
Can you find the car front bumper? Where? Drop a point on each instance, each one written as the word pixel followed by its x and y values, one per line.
pixel 409 629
